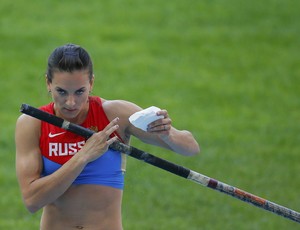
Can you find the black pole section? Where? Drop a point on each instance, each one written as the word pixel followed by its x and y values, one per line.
pixel 56 121
pixel 150 159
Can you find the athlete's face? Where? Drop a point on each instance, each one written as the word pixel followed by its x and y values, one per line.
pixel 70 93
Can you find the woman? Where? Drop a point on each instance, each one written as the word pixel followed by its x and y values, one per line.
pixel 79 182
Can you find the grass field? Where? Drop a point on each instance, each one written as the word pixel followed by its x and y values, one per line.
pixel 228 71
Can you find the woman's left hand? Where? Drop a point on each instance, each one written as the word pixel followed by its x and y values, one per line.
pixel 161 126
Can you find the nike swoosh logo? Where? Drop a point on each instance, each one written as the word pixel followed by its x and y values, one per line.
pixel 51 135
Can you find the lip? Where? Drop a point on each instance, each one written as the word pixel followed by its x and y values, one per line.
pixel 70 110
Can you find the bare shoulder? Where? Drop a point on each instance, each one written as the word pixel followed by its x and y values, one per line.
pixel 119 108
pixel 123 110
pixel 27 127
pixel 28 121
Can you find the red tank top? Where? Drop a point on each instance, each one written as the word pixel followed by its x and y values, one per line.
pixel 59 145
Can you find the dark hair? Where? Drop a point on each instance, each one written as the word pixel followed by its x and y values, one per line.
pixel 69 58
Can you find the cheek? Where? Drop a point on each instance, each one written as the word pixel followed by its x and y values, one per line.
pixel 57 98
pixel 83 100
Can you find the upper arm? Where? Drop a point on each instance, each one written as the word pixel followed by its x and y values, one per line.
pixel 28 158
pixel 123 110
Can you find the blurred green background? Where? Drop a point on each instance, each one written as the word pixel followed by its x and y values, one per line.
pixel 228 71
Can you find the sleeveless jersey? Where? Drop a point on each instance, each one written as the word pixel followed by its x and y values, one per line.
pixel 58 146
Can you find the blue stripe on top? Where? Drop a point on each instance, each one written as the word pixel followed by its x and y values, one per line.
pixel 105 170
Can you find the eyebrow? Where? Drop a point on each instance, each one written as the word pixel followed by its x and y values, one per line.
pixel 59 88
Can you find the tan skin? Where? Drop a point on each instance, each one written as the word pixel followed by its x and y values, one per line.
pixel 66 206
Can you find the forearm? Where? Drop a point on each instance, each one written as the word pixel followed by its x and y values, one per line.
pixel 182 142
pixel 47 189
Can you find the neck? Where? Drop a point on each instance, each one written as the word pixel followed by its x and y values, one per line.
pixel 79 119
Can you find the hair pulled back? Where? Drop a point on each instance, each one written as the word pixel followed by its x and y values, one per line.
pixel 69 58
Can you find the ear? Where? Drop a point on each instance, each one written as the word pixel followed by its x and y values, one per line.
pixel 48 84
pixel 92 83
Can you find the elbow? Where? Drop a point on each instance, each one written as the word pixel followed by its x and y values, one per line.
pixel 31 206
pixel 193 147
pixel 194 151
pixel 32 209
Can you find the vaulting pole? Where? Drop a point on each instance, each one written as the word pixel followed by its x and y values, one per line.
pixel 168 166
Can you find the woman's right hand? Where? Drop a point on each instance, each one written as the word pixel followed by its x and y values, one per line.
pixel 99 142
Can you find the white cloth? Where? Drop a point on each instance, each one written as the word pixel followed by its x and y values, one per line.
pixel 143 118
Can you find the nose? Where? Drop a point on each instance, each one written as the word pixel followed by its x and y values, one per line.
pixel 70 101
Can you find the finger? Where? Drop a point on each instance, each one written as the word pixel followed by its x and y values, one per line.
pixel 111 130
pixel 111 124
pixel 159 123
pixel 160 128
pixel 111 140
pixel 162 112
pixel 111 127
pixel 166 127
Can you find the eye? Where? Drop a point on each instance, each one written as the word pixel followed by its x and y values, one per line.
pixel 80 91
pixel 61 92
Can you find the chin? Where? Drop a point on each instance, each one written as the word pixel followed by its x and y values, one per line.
pixel 70 114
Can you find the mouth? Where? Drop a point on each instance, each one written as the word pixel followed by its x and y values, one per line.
pixel 70 110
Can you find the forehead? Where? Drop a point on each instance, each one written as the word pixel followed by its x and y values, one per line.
pixel 75 79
